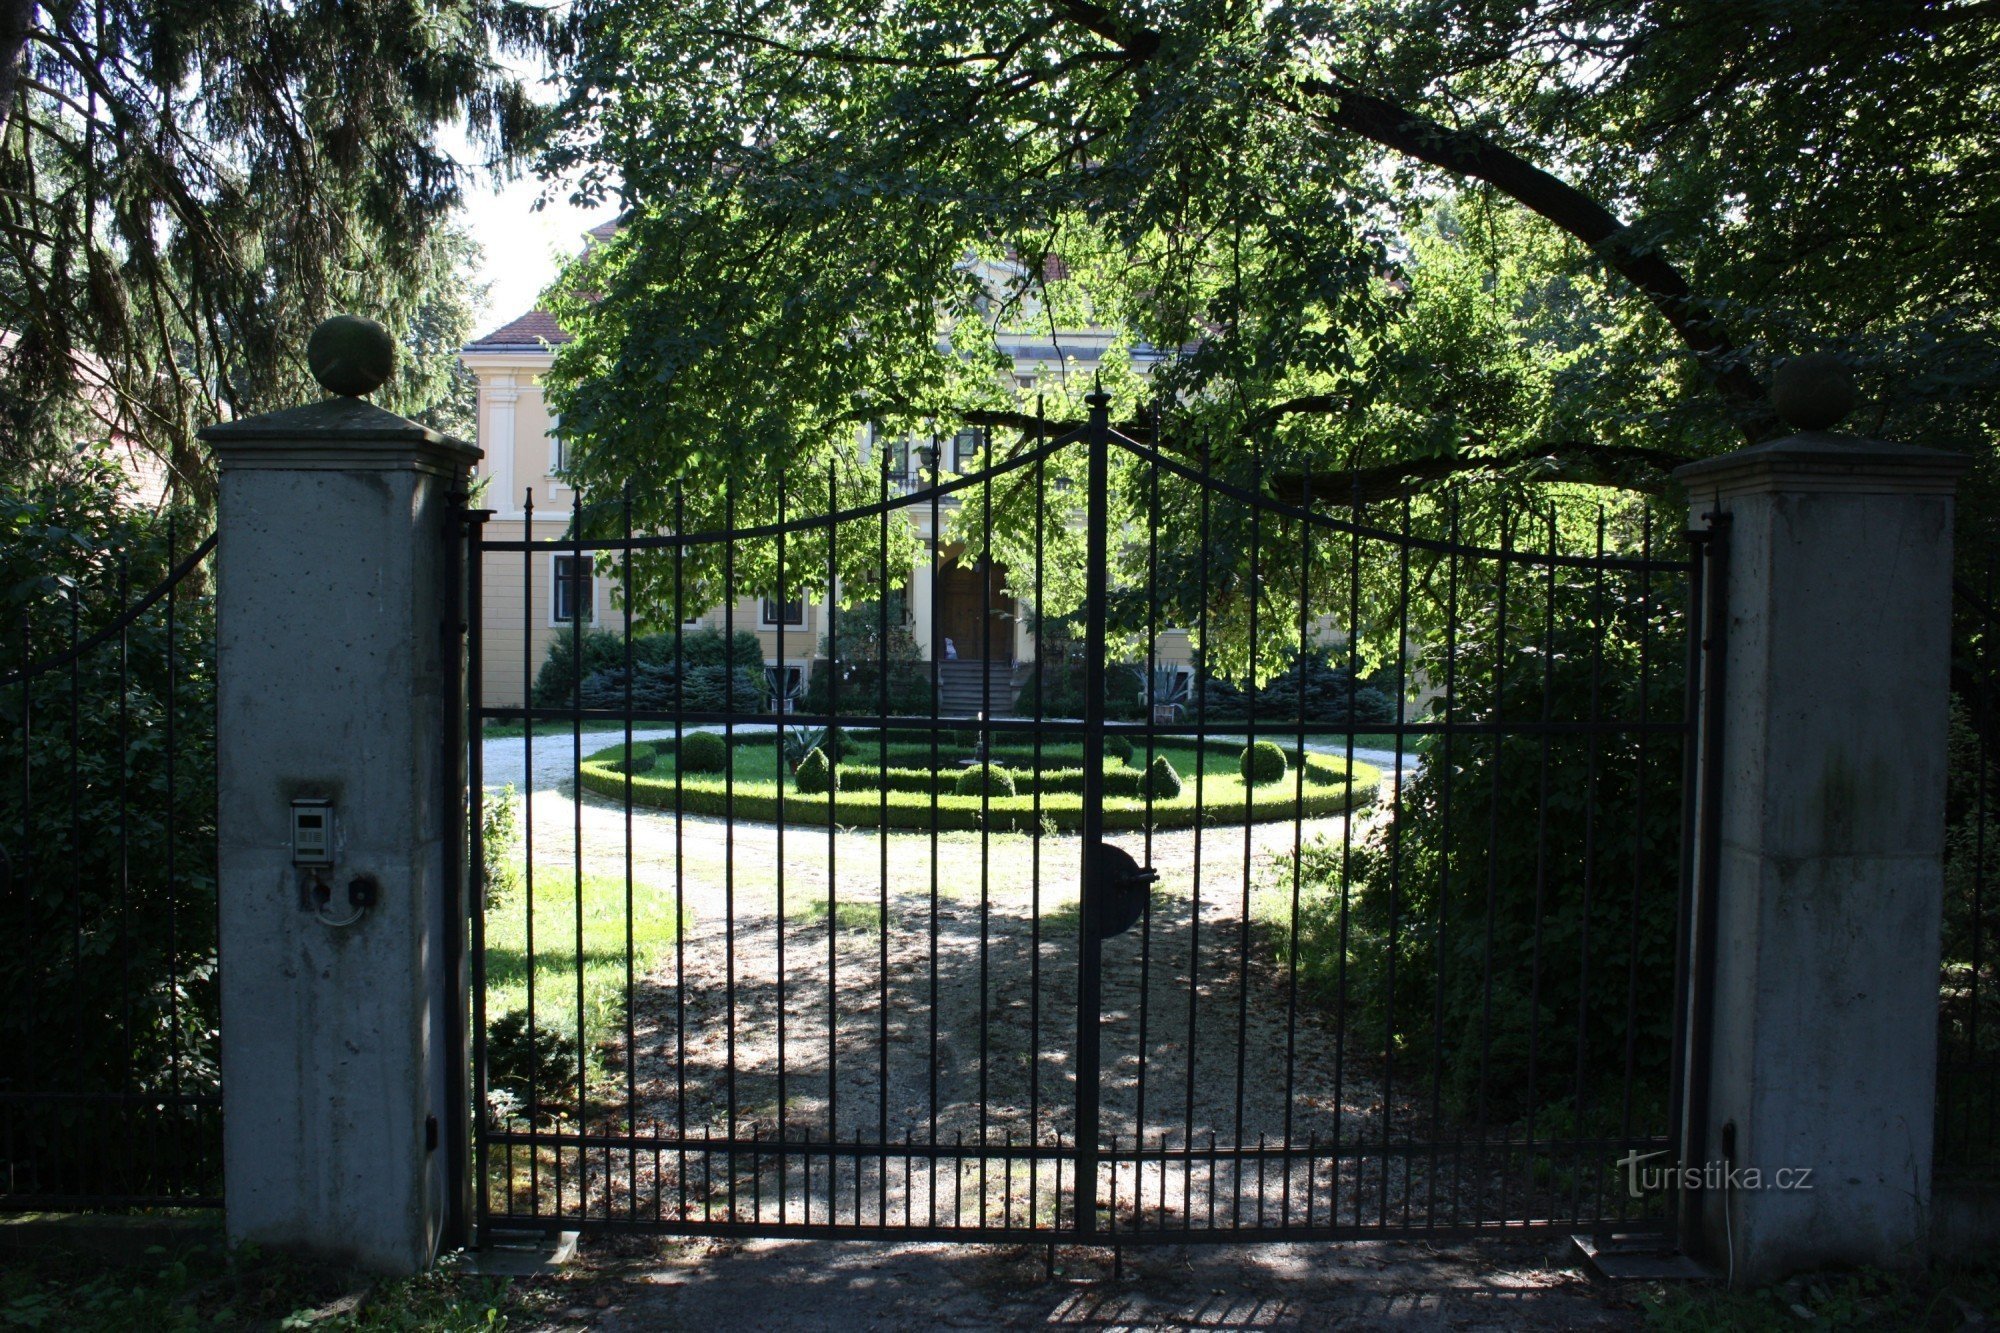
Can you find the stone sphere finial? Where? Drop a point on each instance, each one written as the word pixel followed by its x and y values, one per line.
pixel 351 355
pixel 1812 392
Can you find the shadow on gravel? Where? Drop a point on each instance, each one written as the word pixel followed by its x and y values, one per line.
pixel 857 1285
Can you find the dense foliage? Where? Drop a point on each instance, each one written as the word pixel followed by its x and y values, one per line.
pixel 1513 920
pixel 703 752
pixel 1969 998
pixel 658 661
pixel 897 786
pixel 850 675
pixel 1376 247
pixel 985 780
pixel 107 834
pixel 1311 689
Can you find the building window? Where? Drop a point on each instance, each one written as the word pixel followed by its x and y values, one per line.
pixel 784 613
pixel 571 586
pixel 896 455
pixel 558 449
pixel 965 451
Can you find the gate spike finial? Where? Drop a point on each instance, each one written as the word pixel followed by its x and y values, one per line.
pixel 1099 401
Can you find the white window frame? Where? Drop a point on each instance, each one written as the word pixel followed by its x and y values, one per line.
pixel 557 581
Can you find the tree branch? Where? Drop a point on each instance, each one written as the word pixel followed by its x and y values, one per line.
pixel 1577 461
pixel 1472 155
pixel 1478 157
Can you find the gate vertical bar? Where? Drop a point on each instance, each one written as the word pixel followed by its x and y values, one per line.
pixel 1699 1011
pixel 475 786
pixel 459 855
pixel 1090 940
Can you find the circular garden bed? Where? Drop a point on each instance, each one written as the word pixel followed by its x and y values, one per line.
pixel 925 779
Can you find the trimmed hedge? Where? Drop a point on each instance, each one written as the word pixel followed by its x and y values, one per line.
pixel 1262 763
pixel 860 801
pixel 1162 781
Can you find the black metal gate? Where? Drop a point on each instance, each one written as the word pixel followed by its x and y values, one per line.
pixel 1136 949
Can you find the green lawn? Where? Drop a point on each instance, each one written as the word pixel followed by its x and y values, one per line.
pixel 653 931
pixel 854 918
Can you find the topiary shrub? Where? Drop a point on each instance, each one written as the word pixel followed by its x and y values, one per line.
pixel 1262 763
pixel 986 779
pixel 703 752
pixel 1163 783
pixel 816 775
pixel 1118 746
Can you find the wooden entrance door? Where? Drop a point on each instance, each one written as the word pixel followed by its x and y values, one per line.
pixel 964 594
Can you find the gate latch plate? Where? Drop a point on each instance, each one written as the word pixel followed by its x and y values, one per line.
pixel 1124 888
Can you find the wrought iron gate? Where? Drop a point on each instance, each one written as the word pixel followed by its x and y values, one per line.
pixel 1142 955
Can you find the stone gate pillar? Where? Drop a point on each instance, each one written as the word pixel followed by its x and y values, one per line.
pixel 337 828
pixel 1813 1139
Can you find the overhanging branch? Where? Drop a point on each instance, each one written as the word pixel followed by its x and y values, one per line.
pixel 1472 155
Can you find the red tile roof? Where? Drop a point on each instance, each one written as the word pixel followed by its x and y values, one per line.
pixel 530 330
pixel 603 231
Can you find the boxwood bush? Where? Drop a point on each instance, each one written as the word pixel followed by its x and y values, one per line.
pixel 985 779
pixel 1162 781
pixel 816 775
pixel 703 752
pixel 1262 762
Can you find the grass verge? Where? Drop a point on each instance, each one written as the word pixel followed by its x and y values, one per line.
pixel 1948 1295
pixel 603 903
pixel 197 1285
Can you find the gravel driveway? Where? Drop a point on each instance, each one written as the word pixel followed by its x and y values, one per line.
pixel 789 1013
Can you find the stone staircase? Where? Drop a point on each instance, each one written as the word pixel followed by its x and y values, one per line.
pixel 962 688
